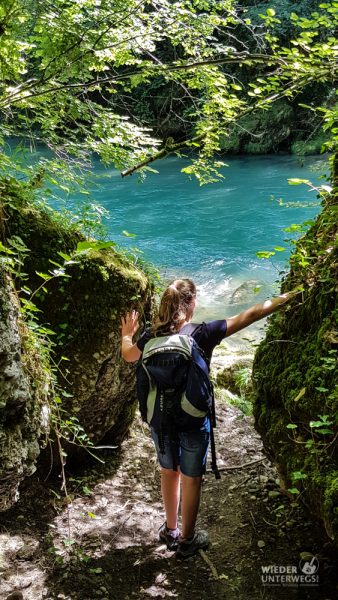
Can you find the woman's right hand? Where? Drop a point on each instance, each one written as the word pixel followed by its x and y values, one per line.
pixel 130 323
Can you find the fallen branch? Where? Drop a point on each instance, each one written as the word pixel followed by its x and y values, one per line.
pixel 209 563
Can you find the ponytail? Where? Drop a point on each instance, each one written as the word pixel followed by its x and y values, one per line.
pixel 175 306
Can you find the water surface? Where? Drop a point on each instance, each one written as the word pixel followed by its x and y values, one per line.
pixel 212 233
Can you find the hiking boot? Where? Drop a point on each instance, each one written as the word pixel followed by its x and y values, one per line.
pixel 190 547
pixel 169 536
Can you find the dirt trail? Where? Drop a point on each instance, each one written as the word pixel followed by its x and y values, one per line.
pixel 103 544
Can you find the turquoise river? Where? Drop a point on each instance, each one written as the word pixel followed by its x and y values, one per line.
pixel 212 233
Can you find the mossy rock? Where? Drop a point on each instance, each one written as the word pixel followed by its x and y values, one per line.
pixel 295 373
pixel 24 385
pixel 84 310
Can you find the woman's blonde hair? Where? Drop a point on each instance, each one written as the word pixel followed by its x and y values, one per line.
pixel 175 306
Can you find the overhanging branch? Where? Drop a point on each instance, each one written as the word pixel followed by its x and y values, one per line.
pixel 170 149
pixel 173 148
pixel 241 57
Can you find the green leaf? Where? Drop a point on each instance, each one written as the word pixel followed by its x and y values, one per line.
pixel 55 263
pixel 316 423
pixel 82 246
pixel 29 306
pixel 297 475
pixel 292 228
pixel 264 254
pixel 300 395
pixel 96 570
pixel 291 426
pixel 5 249
pixel 309 444
pixel 279 248
pixel 64 256
pixel 293 490
pixel 68 542
pixel 325 431
pixel 271 12
pixel 44 276
pixel 128 234
pixel 85 246
pixel 296 181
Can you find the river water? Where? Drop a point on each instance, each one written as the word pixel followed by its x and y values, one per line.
pixel 212 233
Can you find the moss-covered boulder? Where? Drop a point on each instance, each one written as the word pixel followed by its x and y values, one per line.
pixel 85 311
pixel 24 385
pixel 83 307
pixel 296 374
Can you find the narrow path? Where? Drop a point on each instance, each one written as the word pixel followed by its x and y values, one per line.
pixel 104 544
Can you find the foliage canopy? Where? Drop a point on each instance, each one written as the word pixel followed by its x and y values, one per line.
pixel 66 68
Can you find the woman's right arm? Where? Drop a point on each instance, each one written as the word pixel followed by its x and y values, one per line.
pixel 130 351
pixel 257 312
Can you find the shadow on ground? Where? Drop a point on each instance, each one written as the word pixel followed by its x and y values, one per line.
pixel 103 543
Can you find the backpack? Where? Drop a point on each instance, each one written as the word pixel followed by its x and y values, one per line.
pixel 173 385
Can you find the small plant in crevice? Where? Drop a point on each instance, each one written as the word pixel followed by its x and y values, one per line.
pixel 321 427
pixel 243 403
pixel 316 437
pixel 242 379
pixel 296 476
pixel 235 387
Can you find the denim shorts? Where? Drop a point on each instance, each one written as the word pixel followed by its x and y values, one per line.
pixel 189 450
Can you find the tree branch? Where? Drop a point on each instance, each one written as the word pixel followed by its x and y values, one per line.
pixel 242 57
pixel 172 148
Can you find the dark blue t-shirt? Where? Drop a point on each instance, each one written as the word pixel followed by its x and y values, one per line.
pixel 208 336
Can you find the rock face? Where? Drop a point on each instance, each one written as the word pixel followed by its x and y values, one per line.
pixel 94 393
pixel 295 374
pixel 23 398
pixel 85 311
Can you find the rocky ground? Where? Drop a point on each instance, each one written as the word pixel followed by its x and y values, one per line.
pixel 102 542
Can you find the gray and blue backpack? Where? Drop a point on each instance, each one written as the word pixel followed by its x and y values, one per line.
pixel 173 386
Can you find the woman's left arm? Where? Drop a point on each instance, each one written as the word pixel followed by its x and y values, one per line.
pixel 258 311
pixel 130 325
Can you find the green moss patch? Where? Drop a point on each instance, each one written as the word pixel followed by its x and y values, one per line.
pixel 295 373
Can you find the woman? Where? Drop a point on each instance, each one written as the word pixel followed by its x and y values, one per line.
pixel 175 312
